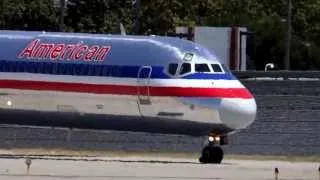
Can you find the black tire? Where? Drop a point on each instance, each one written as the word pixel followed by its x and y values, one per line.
pixel 205 155
pixel 217 154
pixel 211 154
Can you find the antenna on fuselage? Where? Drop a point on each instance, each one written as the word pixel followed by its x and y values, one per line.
pixel 122 30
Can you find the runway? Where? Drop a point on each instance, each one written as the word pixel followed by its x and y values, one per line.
pixel 129 168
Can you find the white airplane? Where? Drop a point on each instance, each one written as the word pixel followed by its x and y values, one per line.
pixel 120 82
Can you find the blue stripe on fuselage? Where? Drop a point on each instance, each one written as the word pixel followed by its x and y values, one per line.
pixel 96 70
pixel 210 76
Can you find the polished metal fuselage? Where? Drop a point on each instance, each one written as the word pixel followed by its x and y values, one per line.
pixel 140 103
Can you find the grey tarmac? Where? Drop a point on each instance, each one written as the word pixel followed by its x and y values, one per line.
pixel 131 168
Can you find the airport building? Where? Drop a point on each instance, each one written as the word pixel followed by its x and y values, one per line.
pixel 229 44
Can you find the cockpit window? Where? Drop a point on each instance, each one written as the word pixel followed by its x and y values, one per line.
pixel 216 68
pixel 185 68
pixel 225 68
pixel 172 68
pixel 202 68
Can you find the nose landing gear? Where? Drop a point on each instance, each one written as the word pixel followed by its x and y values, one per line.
pixel 213 153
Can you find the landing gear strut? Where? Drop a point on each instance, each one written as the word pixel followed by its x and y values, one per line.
pixel 213 153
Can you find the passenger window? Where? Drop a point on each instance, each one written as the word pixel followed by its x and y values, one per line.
pixel 172 69
pixel 202 68
pixel 97 70
pixel 216 68
pixel 185 68
pixel 105 71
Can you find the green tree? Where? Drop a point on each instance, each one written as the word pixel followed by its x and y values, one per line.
pixel 98 16
pixel 28 15
pixel 265 18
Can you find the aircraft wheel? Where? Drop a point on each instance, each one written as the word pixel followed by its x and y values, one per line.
pixel 211 154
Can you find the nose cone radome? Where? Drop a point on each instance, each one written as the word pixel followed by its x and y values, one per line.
pixel 238 113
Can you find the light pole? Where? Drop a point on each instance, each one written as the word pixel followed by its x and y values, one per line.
pixel 62 9
pixel 136 12
pixel 269 65
pixel 308 59
pixel 288 39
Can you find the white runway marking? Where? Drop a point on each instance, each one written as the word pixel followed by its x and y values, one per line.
pixel 47 168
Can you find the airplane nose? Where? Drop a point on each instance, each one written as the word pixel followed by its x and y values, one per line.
pixel 238 113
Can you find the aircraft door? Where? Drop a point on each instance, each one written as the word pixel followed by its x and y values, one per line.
pixel 143 88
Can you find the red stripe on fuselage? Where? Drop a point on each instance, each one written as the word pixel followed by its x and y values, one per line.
pixel 126 90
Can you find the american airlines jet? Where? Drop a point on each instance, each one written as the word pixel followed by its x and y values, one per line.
pixel 121 82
